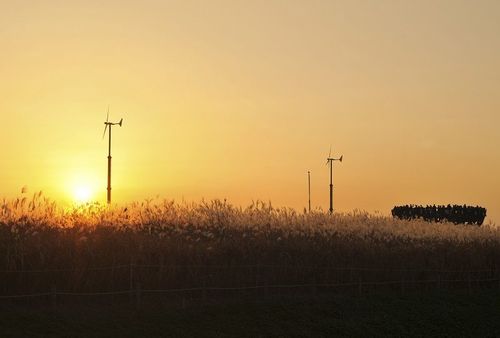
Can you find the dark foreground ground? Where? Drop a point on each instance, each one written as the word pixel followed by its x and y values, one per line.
pixel 444 313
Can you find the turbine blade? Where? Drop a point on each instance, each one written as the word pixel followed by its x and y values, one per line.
pixel 104 134
pixel 107 116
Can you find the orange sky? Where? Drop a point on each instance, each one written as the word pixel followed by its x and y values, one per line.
pixel 239 99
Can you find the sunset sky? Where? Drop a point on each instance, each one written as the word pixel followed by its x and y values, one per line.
pixel 239 99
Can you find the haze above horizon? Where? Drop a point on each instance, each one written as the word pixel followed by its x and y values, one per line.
pixel 239 99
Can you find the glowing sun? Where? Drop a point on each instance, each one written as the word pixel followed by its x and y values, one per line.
pixel 82 194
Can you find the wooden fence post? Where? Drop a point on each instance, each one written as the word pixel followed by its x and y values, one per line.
pixel 497 275
pixel 204 290
pixel 314 288
pixel 258 273
pixel 53 297
pixel 257 281
pixel 266 285
pixel 138 294
pixel 131 275
pixel 160 273
pixel 469 283
pixel 113 276
pixel 131 281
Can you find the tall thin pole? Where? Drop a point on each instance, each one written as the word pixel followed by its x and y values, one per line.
pixel 331 186
pixel 309 187
pixel 110 125
pixel 329 161
pixel 109 167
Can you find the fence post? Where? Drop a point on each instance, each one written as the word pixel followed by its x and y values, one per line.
pixel 497 276
pixel 257 290
pixel 113 281
pixel 53 297
pixel 131 275
pixel 131 281
pixel 138 293
pixel 266 285
pixel 160 273
pixel 204 291
pixel 314 288
pixel 257 275
pixel 469 282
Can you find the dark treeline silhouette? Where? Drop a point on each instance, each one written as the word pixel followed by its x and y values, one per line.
pixel 458 214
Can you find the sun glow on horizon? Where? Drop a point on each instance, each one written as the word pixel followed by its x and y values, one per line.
pixel 79 185
pixel 82 194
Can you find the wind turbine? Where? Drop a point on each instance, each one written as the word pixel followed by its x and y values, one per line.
pixel 109 124
pixel 330 160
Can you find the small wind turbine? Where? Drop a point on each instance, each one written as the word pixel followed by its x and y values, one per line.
pixel 110 124
pixel 330 160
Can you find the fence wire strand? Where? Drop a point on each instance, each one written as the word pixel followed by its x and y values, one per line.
pixel 254 287
pixel 249 266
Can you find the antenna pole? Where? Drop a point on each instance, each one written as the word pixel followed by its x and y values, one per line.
pixel 109 167
pixel 309 186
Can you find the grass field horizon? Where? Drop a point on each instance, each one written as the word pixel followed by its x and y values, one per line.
pixel 228 266
pixel 177 245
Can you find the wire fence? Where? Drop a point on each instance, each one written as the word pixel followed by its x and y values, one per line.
pixel 198 281
pixel 247 266
pixel 243 288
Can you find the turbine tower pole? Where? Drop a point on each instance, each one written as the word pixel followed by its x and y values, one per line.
pixel 329 161
pixel 110 125
pixel 331 186
pixel 109 167
pixel 309 186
